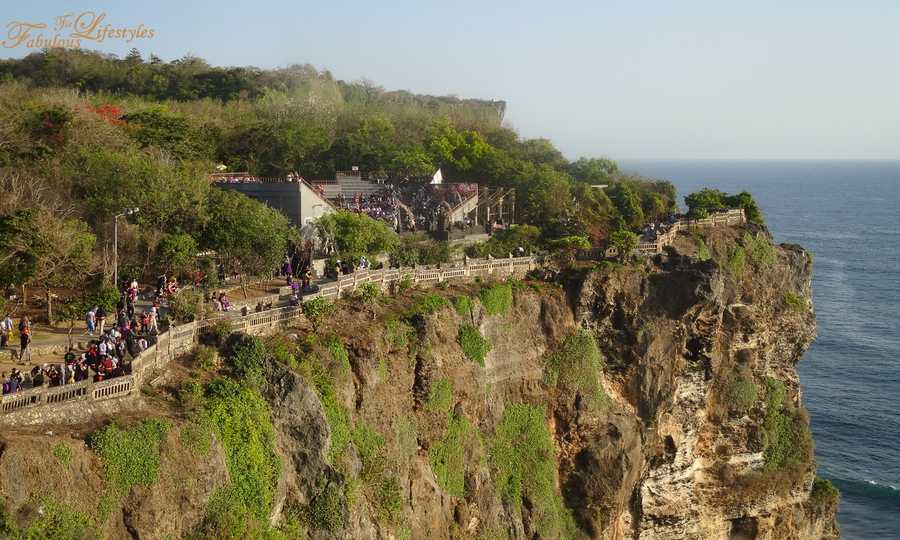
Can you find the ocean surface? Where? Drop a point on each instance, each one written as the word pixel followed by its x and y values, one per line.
pixel 848 214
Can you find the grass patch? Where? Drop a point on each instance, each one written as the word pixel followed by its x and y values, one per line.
pixel 338 353
pixel 463 305
pixel 448 456
pixel 382 493
pixel 795 302
pixel 281 349
pixel 762 252
pixel 737 261
pixel 328 511
pixel 63 453
pixel 524 461
pixel 474 345
pixel 440 396
pixel 53 519
pixel 337 415
pixel 196 437
pixel 131 457
pixel 703 252
pixel 497 298
pixel 576 369
pixel 430 304
pixel 406 436
pixel 397 333
pixel 787 437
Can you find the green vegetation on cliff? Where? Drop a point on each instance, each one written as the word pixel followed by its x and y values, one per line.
pixel 786 433
pixel 497 298
pixel 131 457
pixel 523 458
pixel 473 344
pixel 241 420
pixel 448 455
pixel 575 369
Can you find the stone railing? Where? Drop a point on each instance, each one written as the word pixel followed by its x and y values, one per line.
pixel 729 217
pixel 182 339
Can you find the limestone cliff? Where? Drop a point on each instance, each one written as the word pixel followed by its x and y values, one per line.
pixel 653 400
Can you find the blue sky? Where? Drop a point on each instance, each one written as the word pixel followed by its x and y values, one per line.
pixel 628 80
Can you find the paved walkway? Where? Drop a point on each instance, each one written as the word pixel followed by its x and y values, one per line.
pixel 49 344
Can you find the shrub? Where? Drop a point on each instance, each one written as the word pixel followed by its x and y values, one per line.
pixel 206 358
pixel 474 345
pixel 740 391
pixel 737 261
pixel 576 369
pixel 317 309
pixel 448 456
pixel 523 458
pixel 368 293
pixel 190 394
pixel 328 511
pixel 463 305
pixel 63 453
pixel 405 284
pixel 218 332
pixel 131 457
pixel 434 253
pixel 823 494
pixel 795 301
pixel 762 252
pixel 703 253
pixel 404 255
pixel 440 396
pixel 186 306
pixel 786 435
pixel 497 298
pixel 430 304
pixel 247 359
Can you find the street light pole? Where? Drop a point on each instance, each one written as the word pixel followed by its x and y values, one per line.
pixel 128 212
pixel 116 251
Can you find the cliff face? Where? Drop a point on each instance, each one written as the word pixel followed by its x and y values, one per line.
pixel 702 433
pixel 703 356
pixel 653 400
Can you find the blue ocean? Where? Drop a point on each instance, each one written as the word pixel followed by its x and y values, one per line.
pixel 848 214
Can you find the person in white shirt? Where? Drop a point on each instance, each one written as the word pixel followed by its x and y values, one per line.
pixel 6 328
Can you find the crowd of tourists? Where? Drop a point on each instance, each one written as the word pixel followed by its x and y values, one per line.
pixel 120 337
pixel 382 206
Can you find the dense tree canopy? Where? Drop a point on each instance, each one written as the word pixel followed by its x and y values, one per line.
pixel 143 133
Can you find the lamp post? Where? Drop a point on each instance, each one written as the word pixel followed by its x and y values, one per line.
pixel 126 212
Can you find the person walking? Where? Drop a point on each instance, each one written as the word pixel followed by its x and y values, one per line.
pixel 101 319
pixel 6 329
pixel 90 319
pixel 25 340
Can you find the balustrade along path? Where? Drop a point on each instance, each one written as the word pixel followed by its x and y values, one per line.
pixel 182 339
